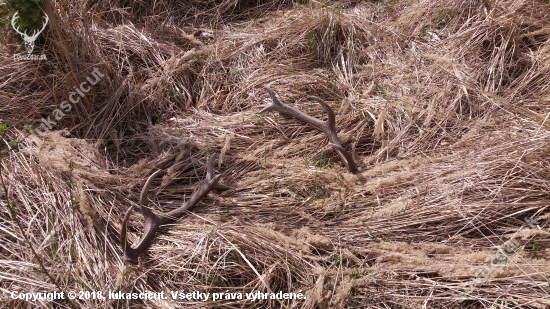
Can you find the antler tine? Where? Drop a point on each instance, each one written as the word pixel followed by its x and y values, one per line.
pixel 276 103
pixel 210 183
pixel 331 123
pixel 331 120
pixel 15 16
pixel 350 163
pixel 46 22
pixel 210 167
pixel 154 221
pixel 328 126
pixel 37 32
pixel 143 195
pixel 210 172
pixel 123 239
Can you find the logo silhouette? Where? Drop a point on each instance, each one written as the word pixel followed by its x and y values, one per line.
pixel 29 40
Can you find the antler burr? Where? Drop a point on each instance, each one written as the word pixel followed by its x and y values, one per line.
pixel 328 126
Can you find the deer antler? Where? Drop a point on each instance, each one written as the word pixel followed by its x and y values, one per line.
pixel 29 40
pixel 154 221
pixel 15 16
pixel 36 33
pixel 328 126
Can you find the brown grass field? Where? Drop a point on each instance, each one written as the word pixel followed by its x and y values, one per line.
pixel 444 106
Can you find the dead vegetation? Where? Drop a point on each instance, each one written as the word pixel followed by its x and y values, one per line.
pixel 444 105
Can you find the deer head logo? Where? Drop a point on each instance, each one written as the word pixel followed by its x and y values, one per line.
pixel 29 40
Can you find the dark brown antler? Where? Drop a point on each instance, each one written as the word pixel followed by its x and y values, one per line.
pixel 326 126
pixel 154 221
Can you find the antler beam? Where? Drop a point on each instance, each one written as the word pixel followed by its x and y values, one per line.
pixel 154 221
pixel 328 126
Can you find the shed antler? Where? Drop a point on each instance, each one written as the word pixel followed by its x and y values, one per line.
pixel 154 221
pixel 328 126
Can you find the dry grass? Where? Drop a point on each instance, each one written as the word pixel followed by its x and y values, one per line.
pixel 444 105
